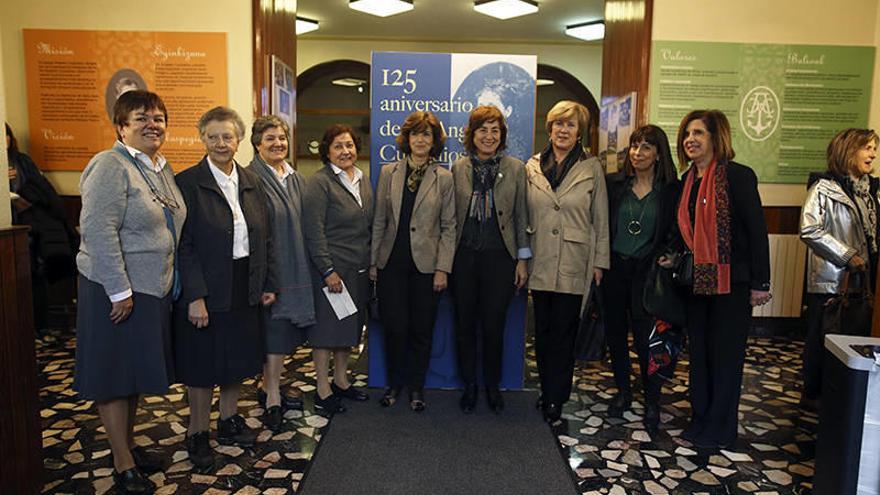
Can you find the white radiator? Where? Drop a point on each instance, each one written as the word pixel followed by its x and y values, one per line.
pixel 788 257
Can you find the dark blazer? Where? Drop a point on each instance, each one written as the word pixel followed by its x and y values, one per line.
pixel 337 230
pixel 665 229
pixel 205 253
pixel 749 245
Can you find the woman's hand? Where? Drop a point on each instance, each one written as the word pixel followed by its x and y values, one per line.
pixel 120 310
pixel 374 273
pixel 760 297
pixel 268 298
pixel 666 261
pixel 333 282
pixel 597 276
pixel 198 313
pixel 439 281
pixel 521 274
pixel 857 264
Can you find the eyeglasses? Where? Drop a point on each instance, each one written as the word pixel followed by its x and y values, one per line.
pixel 225 138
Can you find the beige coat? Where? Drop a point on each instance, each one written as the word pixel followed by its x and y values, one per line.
pixel 510 200
pixel 432 227
pixel 568 227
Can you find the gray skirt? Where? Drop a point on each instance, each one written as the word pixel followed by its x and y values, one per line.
pixel 329 331
pixel 132 358
pixel 282 336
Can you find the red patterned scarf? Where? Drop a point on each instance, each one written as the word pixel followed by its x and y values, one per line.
pixel 709 238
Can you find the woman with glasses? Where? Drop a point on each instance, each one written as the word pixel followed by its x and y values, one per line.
pixel 131 219
pixel 228 271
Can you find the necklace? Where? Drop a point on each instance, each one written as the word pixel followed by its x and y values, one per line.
pixel 634 227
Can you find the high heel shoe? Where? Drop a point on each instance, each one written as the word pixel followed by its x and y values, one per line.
pixel 389 397
pixel 417 401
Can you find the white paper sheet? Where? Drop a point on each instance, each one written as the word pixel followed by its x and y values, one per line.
pixel 341 302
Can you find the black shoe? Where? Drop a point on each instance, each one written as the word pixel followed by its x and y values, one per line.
pixel 273 417
pixel 552 412
pixel 652 417
pixel 417 401
pixel 496 401
pixel 468 400
pixel 200 453
pixel 235 430
pixel 389 397
pixel 330 404
pixel 132 481
pixel 621 403
pixel 147 461
pixel 349 393
pixel 288 402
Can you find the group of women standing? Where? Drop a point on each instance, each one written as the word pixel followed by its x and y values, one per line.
pixel 212 276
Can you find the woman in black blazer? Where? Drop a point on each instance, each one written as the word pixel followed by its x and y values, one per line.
pixel 492 254
pixel 227 271
pixel 721 222
pixel 641 205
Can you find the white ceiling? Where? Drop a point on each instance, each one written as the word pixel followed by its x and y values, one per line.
pixel 450 20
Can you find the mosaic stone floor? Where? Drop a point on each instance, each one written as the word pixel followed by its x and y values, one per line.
pixel 606 455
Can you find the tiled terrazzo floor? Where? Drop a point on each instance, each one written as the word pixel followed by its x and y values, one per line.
pixel 606 455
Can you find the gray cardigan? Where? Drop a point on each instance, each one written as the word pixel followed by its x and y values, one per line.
pixel 125 241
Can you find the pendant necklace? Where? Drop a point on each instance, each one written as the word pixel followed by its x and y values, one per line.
pixel 634 227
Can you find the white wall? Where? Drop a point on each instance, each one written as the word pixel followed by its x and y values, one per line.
pixel 232 17
pixel 582 60
pixel 809 22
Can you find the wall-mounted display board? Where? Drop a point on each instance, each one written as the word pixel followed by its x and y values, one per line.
pixel 74 77
pixel 784 102
pixel 616 125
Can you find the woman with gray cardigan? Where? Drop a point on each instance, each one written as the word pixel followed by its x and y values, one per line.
pixel 131 219
pixel 286 320
pixel 337 225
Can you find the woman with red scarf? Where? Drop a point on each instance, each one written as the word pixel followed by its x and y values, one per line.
pixel 721 222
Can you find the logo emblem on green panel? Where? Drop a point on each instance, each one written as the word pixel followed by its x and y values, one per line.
pixel 759 113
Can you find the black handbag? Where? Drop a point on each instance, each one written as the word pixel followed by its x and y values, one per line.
pixel 373 307
pixel 683 272
pixel 662 298
pixel 589 343
pixel 850 311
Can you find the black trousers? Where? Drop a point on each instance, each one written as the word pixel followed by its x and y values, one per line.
pixel 622 286
pixel 718 332
pixel 408 308
pixel 557 317
pixel 482 285
pixel 814 346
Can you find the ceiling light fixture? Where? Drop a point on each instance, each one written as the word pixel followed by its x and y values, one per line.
pixel 587 31
pixel 545 82
pixel 350 82
pixel 304 25
pixel 381 8
pixel 505 9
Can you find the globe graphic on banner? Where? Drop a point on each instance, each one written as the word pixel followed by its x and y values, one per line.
pixel 510 88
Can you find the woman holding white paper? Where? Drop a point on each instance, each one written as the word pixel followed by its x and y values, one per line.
pixel 337 223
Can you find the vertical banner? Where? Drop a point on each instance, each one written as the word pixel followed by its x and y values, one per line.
pixel 74 78
pixel 283 94
pixel 450 86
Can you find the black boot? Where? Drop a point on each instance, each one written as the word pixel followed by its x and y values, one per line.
pixel 468 398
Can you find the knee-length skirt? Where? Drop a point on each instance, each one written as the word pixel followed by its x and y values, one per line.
pixel 329 331
pixel 132 358
pixel 227 351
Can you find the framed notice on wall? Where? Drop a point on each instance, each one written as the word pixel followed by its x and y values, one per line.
pixel 784 102
pixel 616 125
pixel 283 96
pixel 74 78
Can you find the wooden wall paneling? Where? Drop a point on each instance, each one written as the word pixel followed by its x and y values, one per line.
pixel 626 52
pixel 21 447
pixel 783 219
pixel 274 25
